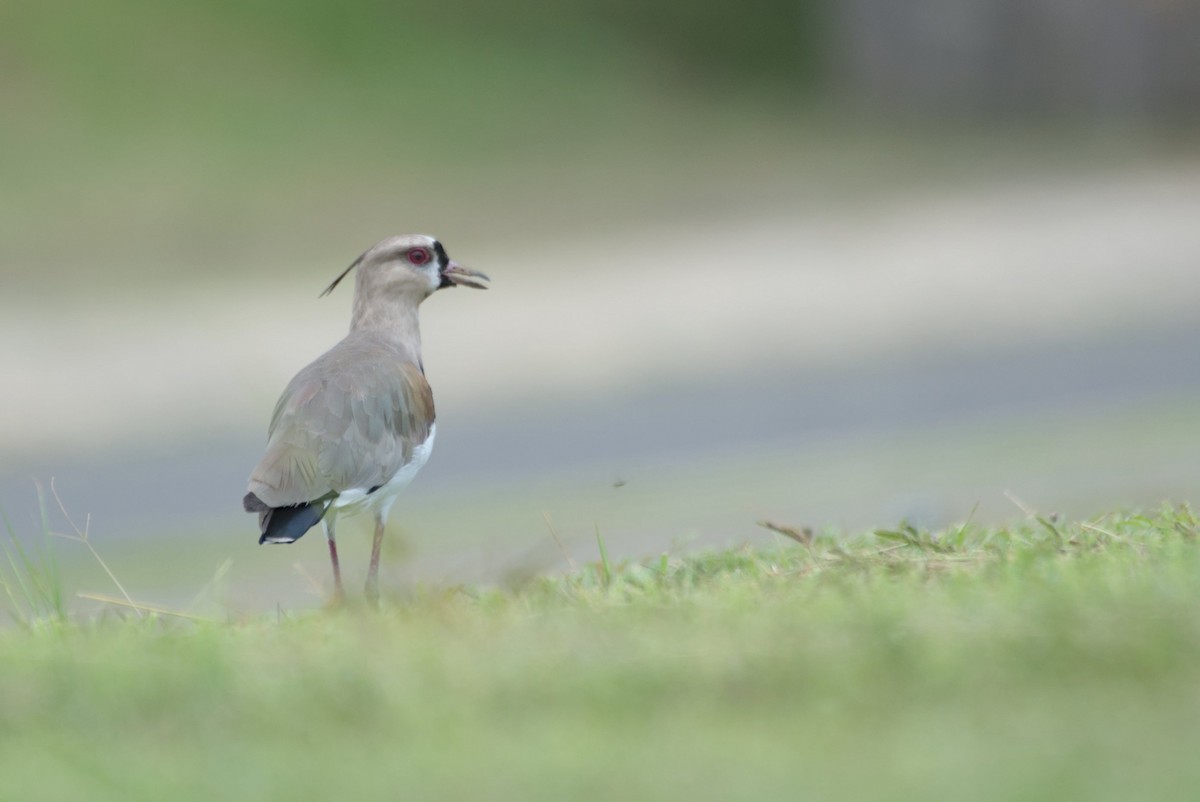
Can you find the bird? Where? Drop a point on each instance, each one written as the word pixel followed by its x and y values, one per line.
pixel 353 428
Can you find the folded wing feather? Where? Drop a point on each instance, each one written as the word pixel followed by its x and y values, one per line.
pixel 350 420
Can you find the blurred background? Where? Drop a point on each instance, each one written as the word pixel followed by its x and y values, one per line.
pixel 824 263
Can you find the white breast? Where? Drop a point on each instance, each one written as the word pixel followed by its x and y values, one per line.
pixel 357 498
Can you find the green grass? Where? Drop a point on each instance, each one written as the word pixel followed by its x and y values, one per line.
pixel 1040 661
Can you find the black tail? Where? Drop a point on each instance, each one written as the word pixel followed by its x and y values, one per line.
pixel 284 524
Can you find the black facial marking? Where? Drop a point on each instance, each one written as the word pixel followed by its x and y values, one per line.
pixel 443 263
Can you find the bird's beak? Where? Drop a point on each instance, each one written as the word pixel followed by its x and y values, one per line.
pixel 455 275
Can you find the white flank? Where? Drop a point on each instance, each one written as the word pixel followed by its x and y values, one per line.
pixel 356 499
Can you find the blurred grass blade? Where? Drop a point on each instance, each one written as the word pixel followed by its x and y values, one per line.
pixel 31 581
pixel 605 565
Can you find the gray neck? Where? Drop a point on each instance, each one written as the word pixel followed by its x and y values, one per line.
pixel 395 320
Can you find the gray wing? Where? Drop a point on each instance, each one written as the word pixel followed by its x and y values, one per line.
pixel 349 420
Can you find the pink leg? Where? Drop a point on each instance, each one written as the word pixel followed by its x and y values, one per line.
pixel 338 592
pixel 373 571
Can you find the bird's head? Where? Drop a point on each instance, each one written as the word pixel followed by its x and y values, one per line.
pixel 413 265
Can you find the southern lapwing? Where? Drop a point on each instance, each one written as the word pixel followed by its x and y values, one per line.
pixel 352 429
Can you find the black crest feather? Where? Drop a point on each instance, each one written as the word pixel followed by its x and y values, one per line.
pixel 344 273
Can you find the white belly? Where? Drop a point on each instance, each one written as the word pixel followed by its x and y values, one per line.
pixel 359 498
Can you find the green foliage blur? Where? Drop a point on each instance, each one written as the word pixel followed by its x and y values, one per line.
pixel 454 80
pixel 219 130
pixel 136 126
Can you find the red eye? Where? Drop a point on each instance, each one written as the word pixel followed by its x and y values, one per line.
pixel 418 256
